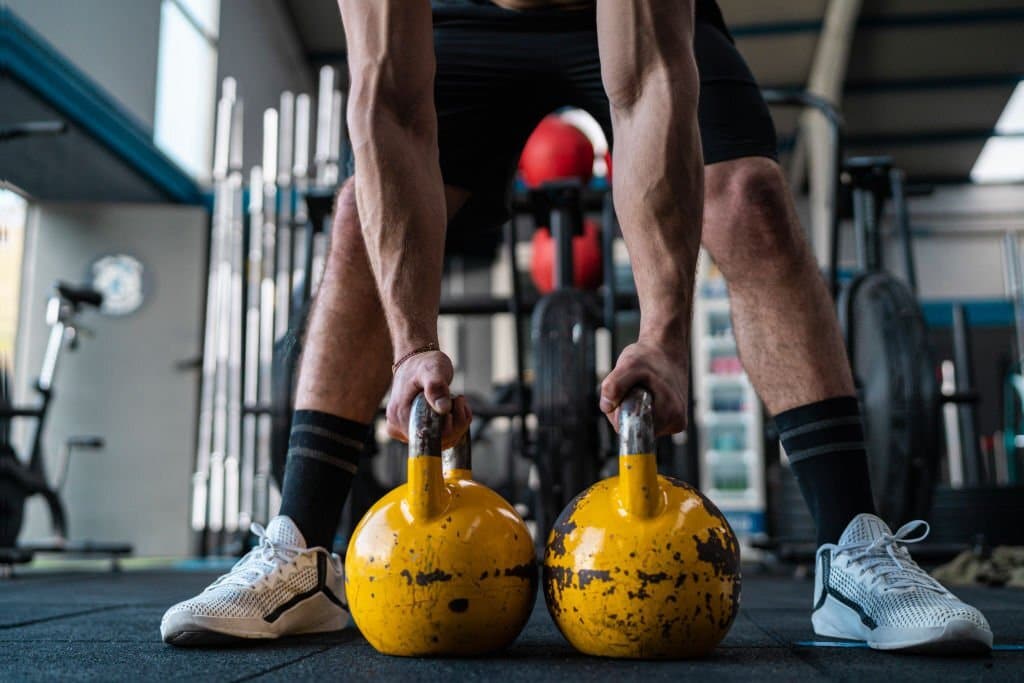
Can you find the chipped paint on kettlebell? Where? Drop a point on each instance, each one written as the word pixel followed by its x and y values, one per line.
pixel 464 590
pixel 441 565
pixel 665 586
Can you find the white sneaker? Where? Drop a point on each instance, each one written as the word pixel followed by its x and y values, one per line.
pixel 279 588
pixel 867 587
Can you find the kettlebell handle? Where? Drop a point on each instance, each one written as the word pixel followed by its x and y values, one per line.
pixel 636 422
pixel 424 429
pixel 459 456
pixel 638 468
pixel 425 494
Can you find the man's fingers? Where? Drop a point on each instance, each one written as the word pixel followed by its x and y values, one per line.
pixel 453 425
pixel 619 382
pixel 396 433
pixel 462 405
pixel 399 408
pixel 457 422
pixel 669 411
pixel 624 376
pixel 436 391
pixel 633 370
pixel 611 392
pixel 430 376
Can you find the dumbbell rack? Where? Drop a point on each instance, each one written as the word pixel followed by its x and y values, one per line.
pixel 728 412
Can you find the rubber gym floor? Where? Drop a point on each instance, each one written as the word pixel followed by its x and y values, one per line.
pixel 89 625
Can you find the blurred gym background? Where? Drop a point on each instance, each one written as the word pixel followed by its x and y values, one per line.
pixel 124 196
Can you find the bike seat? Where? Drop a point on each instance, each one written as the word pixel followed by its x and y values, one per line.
pixel 79 295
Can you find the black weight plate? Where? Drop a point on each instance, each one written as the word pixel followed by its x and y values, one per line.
pixel 895 374
pixel 791 520
pixel 565 401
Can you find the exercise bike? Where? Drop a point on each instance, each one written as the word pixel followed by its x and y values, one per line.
pixel 21 479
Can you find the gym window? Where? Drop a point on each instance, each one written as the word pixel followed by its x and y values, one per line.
pixel 12 240
pixel 1002 158
pixel 186 84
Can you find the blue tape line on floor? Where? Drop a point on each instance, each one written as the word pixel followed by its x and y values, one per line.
pixel 203 564
pixel 1014 647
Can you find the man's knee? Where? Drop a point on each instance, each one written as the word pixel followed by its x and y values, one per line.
pixel 749 221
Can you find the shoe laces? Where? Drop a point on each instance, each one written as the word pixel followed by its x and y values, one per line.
pixel 260 562
pixel 890 562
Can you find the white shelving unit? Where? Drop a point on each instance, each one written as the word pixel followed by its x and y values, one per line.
pixel 728 412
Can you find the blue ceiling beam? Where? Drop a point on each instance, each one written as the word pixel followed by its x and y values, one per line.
pixel 911 20
pixel 33 62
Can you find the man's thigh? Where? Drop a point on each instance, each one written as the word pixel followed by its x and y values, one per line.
pixel 488 102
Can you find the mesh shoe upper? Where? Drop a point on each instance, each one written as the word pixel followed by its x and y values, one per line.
pixel 272 573
pixel 871 567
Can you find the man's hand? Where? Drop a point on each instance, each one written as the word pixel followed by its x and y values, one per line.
pixel 663 373
pixel 430 373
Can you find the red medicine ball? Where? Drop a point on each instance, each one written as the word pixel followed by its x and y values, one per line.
pixel 586 258
pixel 556 150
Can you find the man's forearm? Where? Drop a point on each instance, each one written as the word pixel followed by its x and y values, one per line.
pixel 399 191
pixel 650 75
pixel 658 189
pixel 401 205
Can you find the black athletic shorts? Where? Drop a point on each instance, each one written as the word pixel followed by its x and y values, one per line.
pixel 499 72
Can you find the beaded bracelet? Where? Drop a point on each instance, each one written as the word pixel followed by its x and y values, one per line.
pixel 432 346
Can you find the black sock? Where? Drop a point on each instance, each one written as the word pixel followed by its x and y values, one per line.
pixel 323 456
pixel 825 445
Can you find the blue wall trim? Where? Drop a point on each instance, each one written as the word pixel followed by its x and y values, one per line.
pixel 980 312
pixel 34 63
pixel 915 20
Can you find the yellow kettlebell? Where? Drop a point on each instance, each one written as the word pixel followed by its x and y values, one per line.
pixel 440 565
pixel 642 565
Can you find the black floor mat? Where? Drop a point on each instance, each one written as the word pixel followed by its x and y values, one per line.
pixel 97 626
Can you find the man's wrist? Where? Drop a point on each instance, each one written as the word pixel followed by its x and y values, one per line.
pixel 425 348
pixel 669 334
pixel 409 333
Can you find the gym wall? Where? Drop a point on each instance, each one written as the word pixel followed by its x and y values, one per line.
pixel 124 383
pixel 123 62
pixel 262 52
pixel 137 489
pixel 114 42
pixel 959 242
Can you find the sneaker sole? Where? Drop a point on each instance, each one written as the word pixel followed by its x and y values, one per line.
pixel 958 637
pixel 193 631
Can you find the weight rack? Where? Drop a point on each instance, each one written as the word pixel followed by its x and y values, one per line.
pixel 268 244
